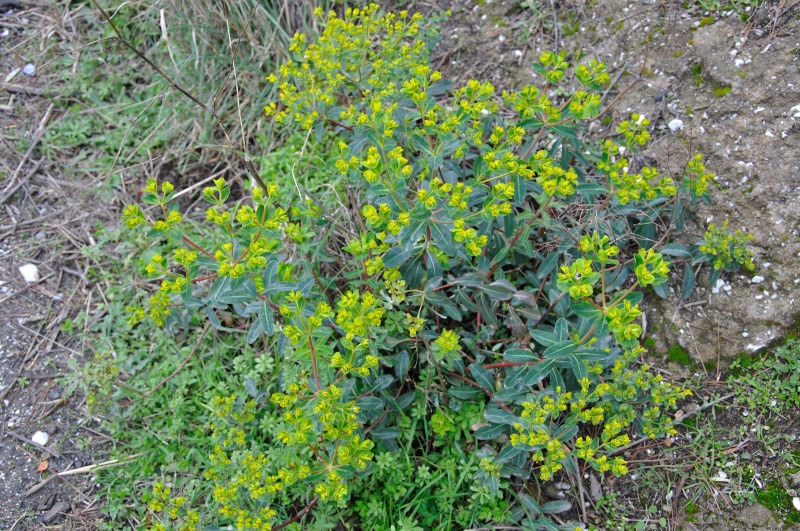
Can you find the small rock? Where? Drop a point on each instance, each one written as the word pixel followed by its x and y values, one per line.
pixel 40 437
pixel 47 503
pixel 29 69
pixel 757 279
pixel 60 507
pixel 796 502
pixel 30 273
pixel 675 124
pixel 795 479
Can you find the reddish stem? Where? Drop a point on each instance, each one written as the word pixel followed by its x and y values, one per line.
pixel 190 242
pixel 299 515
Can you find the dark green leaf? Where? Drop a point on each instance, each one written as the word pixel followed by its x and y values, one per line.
pixel 662 290
pixel 556 507
pixel 499 416
pixel 689 282
pixel 382 434
pixel 501 290
pixel 560 350
pixel 398 255
pixel 589 311
pixel 538 372
pixel 370 403
pixel 677 250
pixel 519 355
pixel 464 392
pixel 487 433
pixel 482 376
pixel 548 265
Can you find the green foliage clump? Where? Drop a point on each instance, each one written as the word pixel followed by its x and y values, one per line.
pixel 727 250
pixel 772 382
pixel 775 498
pixel 678 354
pixel 483 323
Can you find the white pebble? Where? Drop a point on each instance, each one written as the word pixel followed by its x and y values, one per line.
pixel 29 69
pixel 675 125
pixel 30 273
pixel 796 502
pixel 758 279
pixel 41 438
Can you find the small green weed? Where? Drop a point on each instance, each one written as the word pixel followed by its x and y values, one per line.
pixel 775 498
pixel 771 382
pixel 678 354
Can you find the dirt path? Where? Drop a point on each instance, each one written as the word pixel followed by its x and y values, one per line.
pixel 43 226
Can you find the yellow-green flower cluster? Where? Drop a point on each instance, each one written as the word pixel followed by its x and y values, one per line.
pixel 364 46
pixel 555 180
pixel 627 187
pixel 356 314
pixel 173 508
pixel 650 267
pixel 554 65
pixel 620 322
pixel 634 131
pixel 598 247
pixel 727 250
pixel 578 278
pixel 534 434
pixel 698 177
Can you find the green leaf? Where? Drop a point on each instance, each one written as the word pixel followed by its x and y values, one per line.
pixel 538 372
pixel 589 311
pixel 531 506
pixel 250 387
pixel 556 507
pixel 560 350
pixel 440 234
pixel 545 336
pixel 578 366
pixel 398 255
pixel 383 434
pixel 482 376
pixel 591 189
pixel 255 331
pixel 487 433
pixel 676 249
pixel 562 329
pixel 464 392
pixel 501 290
pixel 380 383
pixel 662 290
pixel 520 355
pixel 689 282
pixel 401 365
pixel 548 265
pixel 498 416
pixel 371 403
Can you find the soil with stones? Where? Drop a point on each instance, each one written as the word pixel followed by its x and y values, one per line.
pixel 45 433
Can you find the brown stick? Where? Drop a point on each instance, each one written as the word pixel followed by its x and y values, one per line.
pixel 21 89
pixel 13 184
